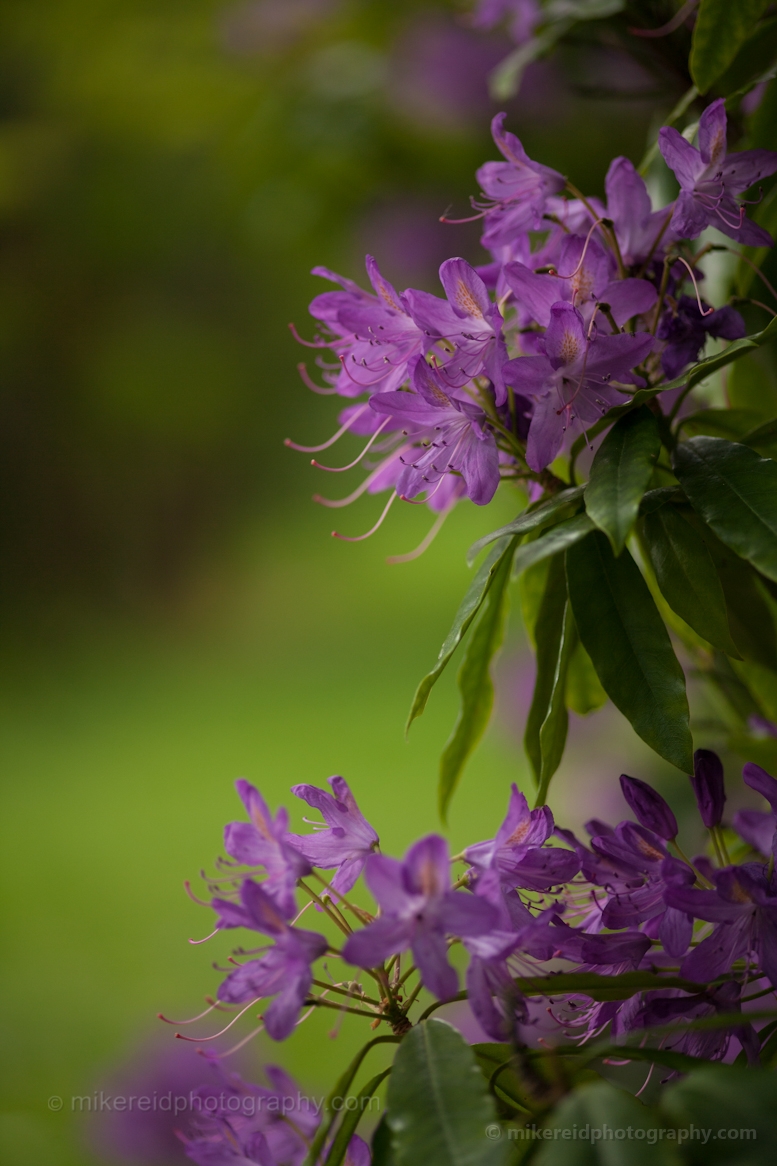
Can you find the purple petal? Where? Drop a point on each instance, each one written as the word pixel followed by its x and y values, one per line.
pixel 650 808
pixel 255 979
pixel 546 431
pixel 430 952
pixel 757 828
pixel 377 941
pixel 536 293
pixel 384 877
pixel 676 932
pixel 716 953
pixel 565 340
pixel 463 914
pixel 628 298
pixel 680 156
pixel 690 217
pixel 762 782
pixel 281 1017
pixel 465 289
pixel 427 867
pixel 712 133
pixel 706 905
pixel 528 374
pixel 708 786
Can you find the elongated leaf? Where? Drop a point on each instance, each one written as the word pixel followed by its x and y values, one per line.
pixel 736 1105
pixel 655 498
pixel 730 423
pixel 749 619
pixel 763 436
pixel 382 1149
pixel 722 27
pixel 553 732
pixel 687 577
pixel 735 492
pixel 552 636
pixel 438 1104
pixel 620 474
pixel 602 1107
pixel 351 1119
pixel 599 987
pixel 552 542
pixel 529 519
pixel 753 59
pixel 475 685
pixel 584 689
pixel 625 637
pixel 468 609
pixel 531 588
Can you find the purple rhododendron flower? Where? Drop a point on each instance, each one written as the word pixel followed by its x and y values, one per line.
pixel 262 842
pixel 348 838
pixel 650 809
pixel 708 786
pixel 585 279
pixel 642 233
pixel 517 189
pixel 283 971
pixel 469 321
pixel 521 16
pixel 457 439
pixel 756 826
pixel 743 908
pixel 710 179
pixel 685 331
pixel 418 909
pixel 574 380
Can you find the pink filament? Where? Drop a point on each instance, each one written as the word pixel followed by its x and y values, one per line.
pixel 325 445
pixel 360 537
pixel 696 288
pixel 425 542
pixel 202 1039
pixel 355 462
pixel 311 384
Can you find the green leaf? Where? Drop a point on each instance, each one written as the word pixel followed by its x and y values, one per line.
pixel 584 690
pixel 735 492
pixel 552 542
pixel 763 436
pixel 749 618
pixel 470 605
pixel 594 1107
pixel 620 474
pixel 530 519
pixel 351 1119
pixel 625 637
pixel 531 588
pixel 438 1104
pixel 475 685
pixel 600 987
pixel 555 636
pixel 731 423
pixel 721 29
pixel 753 59
pixel 739 1102
pixel 687 577
pixel 382 1149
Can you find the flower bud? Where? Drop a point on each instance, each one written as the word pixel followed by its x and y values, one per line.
pixel 707 782
pixel 649 807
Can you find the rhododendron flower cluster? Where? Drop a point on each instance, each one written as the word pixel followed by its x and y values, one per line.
pixel 530 904
pixel 582 305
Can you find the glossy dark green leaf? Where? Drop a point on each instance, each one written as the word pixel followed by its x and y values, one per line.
pixel 624 635
pixel 753 59
pixel 554 634
pixel 737 1106
pixel 620 474
pixel 655 498
pixel 351 1119
pixel 529 519
pixel 749 619
pixel 438 1103
pixel 602 1107
pixel 730 423
pixel 475 685
pixel 382 1148
pixel 468 609
pixel 494 1063
pixel 762 437
pixel 721 29
pixel 600 987
pixel 687 577
pixel 735 492
pixel 584 689
pixel 552 542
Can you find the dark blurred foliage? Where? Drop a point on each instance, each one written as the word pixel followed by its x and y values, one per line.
pixel 169 172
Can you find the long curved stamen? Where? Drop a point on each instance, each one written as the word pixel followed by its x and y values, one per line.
pixel 572 274
pixel 470 219
pixel 234 1020
pixel 355 462
pixel 238 1046
pixel 336 503
pixel 317 448
pixel 192 896
pixel 311 343
pixel 695 287
pixel 360 537
pixel 666 29
pixel 199 1016
pixel 310 383
pixel 362 384
pixel 215 931
pixel 425 542
pixel 431 494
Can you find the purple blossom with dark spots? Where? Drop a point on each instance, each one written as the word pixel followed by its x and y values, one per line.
pixel 346 841
pixel 419 909
pixel 642 233
pixel 650 809
pixel 710 179
pixel 455 437
pixel 708 786
pixel 575 380
pixel 517 189
pixel 518 853
pixel 684 329
pixel 262 842
pixel 284 971
pixel 469 321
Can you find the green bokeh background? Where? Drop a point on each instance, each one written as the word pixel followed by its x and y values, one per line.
pixel 175 613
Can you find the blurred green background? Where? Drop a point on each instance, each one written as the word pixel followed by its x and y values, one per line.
pixel 175 614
